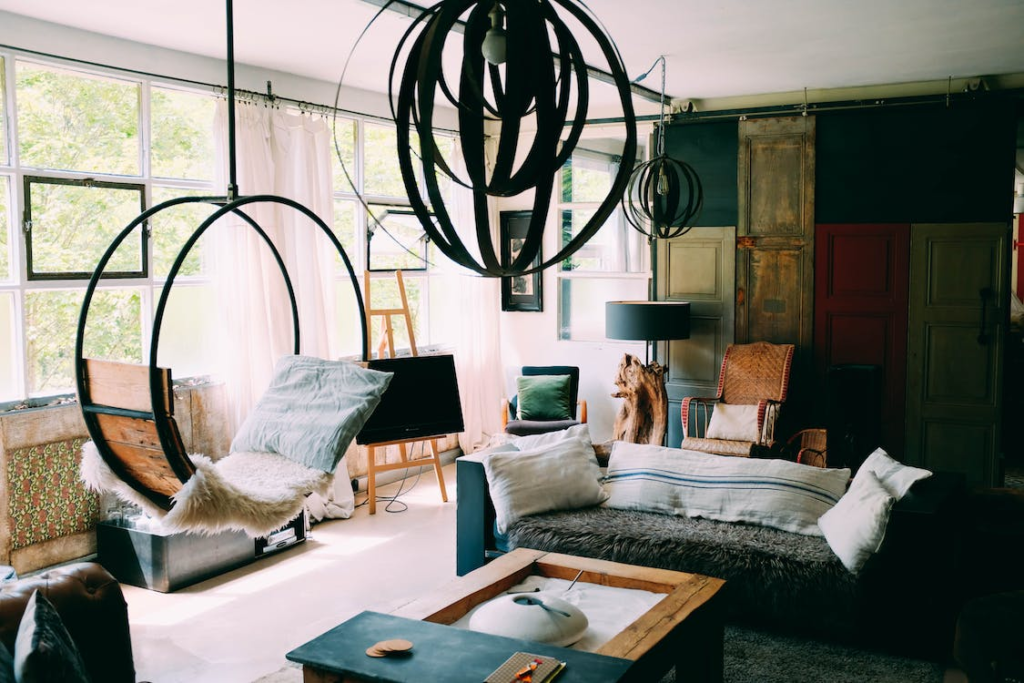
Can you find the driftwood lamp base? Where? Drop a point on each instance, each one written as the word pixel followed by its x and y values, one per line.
pixel 643 417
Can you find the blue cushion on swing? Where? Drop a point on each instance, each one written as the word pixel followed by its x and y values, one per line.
pixel 312 410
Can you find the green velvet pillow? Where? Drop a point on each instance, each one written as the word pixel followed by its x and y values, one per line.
pixel 544 397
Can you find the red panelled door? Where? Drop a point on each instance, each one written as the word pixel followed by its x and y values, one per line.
pixel 862 275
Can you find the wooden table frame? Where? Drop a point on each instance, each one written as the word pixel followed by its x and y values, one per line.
pixel 685 629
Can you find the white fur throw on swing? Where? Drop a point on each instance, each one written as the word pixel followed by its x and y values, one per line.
pixel 252 492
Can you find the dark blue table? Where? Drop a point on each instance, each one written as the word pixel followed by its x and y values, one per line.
pixel 440 653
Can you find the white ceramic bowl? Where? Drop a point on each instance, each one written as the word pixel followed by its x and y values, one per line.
pixel 540 617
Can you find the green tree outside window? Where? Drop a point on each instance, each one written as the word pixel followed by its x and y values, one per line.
pixel 113 332
pixel 75 122
pixel 181 125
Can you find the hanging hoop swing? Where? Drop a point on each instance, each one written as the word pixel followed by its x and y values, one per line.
pixel 137 450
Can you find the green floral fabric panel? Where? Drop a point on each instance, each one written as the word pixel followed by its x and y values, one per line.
pixel 47 498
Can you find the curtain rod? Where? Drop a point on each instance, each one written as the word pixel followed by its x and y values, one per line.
pixel 217 89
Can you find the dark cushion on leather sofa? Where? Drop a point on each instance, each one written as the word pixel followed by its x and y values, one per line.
pixel 91 605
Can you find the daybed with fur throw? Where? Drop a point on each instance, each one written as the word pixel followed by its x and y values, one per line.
pixel 899 600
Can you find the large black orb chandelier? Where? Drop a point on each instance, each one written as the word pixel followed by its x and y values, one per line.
pixel 664 197
pixel 530 89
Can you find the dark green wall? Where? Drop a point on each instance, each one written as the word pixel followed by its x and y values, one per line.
pixel 711 148
pixel 920 164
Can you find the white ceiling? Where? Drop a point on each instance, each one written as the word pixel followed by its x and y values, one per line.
pixel 714 48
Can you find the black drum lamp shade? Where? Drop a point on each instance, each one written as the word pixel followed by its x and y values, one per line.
pixel 647 320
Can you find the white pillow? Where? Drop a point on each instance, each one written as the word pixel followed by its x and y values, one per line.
pixel 775 493
pixel 855 527
pixel 733 422
pixel 562 476
pixel 535 441
pixel 896 477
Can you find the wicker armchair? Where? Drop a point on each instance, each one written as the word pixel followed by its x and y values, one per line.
pixel 753 375
pixel 809 447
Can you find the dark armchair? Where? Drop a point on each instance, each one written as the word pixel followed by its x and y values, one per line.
pixel 511 420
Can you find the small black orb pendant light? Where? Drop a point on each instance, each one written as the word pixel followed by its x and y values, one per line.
pixel 664 197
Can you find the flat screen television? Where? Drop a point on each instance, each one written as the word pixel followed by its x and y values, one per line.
pixel 421 401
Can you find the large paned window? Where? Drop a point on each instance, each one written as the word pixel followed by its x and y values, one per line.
pixel 384 236
pixel 613 265
pixel 83 152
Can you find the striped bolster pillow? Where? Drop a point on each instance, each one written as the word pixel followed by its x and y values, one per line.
pixel 774 493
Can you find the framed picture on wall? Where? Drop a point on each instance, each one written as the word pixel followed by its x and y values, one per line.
pixel 523 292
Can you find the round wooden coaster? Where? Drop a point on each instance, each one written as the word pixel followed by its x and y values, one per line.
pixel 373 651
pixel 396 645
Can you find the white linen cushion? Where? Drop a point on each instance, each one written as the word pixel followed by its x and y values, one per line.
pixel 733 422
pixel 896 477
pixel 775 493
pixel 560 476
pixel 855 527
pixel 535 441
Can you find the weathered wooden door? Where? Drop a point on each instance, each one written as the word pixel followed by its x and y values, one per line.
pixel 699 267
pixel 775 242
pixel 958 283
pixel 860 313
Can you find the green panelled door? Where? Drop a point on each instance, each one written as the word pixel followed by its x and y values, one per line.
pixel 699 267
pixel 958 280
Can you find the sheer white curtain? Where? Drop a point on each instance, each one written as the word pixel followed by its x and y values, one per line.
pixel 478 337
pixel 286 155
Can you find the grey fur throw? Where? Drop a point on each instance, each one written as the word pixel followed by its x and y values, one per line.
pixel 773 577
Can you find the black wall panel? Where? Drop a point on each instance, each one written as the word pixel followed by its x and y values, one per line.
pixel 712 149
pixel 920 164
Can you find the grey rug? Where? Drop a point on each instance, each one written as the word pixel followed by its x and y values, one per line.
pixel 757 657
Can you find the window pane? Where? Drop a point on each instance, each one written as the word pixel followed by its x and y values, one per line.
pixel 616 247
pixel 74 122
pixel 349 337
pixel 398 242
pixel 5 228
pixel 345 230
pixel 345 139
pixel 382 176
pixel 182 131
pixel 187 340
pixel 51 322
pixel 385 295
pixel 4 153
pixel 72 225
pixel 172 227
pixel 443 291
pixel 587 178
pixel 9 391
pixel 581 304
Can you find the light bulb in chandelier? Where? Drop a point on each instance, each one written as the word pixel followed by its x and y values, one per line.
pixel 494 43
pixel 662 182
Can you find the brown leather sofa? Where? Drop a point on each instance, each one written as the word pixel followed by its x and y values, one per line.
pixel 93 609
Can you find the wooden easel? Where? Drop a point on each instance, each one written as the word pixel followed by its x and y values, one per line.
pixel 386 342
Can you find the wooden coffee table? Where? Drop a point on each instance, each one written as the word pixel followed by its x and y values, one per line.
pixel 683 630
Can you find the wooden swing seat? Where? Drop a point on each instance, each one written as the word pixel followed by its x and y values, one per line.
pixel 118 398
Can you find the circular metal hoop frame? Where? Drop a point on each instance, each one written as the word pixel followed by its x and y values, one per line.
pixel 178 460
